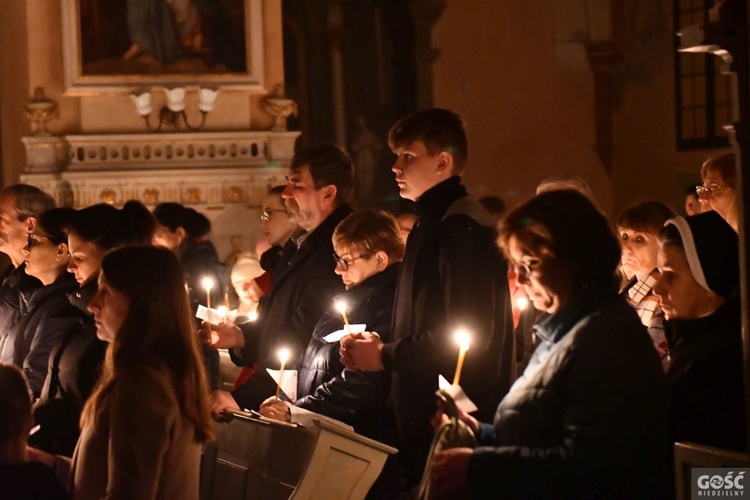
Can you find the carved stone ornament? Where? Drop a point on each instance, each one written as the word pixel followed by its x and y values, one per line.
pixel 280 107
pixel 151 196
pixel 234 194
pixel 193 195
pixel 108 196
pixel 39 111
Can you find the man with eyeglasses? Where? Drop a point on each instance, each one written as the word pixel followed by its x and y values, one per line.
pixel 319 187
pixel 20 205
pixel 452 277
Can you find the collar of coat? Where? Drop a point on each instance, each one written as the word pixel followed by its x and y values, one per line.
pixel 554 328
pixel 81 298
pixel 29 300
pixel 383 282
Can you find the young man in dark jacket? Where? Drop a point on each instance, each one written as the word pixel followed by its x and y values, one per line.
pixel 319 189
pixel 452 277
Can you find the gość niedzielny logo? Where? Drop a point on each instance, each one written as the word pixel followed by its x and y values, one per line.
pixel 728 483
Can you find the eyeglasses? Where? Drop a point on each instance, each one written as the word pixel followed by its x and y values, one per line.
pixel 710 191
pixel 524 269
pixel 345 263
pixel 266 214
pixel 35 239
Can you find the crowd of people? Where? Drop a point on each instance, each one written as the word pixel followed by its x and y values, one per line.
pixel 633 341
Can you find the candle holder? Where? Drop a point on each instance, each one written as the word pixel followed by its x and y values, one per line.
pixel 173 113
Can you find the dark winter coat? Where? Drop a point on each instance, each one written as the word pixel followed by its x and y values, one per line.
pixel 588 419
pixel 14 280
pixel 354 397
pixel 452 276
pixel 46 318
pixel 303 287
pixel 705 379
pixel 199 260
pixel 74 369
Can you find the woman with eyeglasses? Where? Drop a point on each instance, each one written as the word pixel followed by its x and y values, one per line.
pixel 588 418
pixel 717 192
pixel 276 227
pixel 38 331
pixel 76 357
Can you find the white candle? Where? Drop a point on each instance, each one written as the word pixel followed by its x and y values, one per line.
pixel 283 355
pixel 208 284
pixel 462 339
pixel 341 306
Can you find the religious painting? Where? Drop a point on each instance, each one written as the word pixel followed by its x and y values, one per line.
pixel 116 46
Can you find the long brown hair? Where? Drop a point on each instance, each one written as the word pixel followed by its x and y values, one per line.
pixel 157 331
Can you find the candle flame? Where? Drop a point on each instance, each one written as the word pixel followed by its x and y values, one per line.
pixel 522 303
pixel 341 306
pixel 283 355
pixel 463 339
pixel 253 316
pixel 208 283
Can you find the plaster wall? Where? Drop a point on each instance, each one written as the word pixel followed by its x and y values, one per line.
pixel 528 118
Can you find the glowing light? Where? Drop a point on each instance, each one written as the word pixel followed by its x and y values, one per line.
pixel 522 303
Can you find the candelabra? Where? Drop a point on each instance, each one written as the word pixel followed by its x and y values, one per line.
pixel 173 112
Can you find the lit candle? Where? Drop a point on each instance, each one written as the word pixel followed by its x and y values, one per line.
pixel 283 355
pixel 223 311
pixel 341 307
pixel 522 303
pixel 208 284
pixel 462 339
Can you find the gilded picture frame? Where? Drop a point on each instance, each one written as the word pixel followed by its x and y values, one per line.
pixel 114 47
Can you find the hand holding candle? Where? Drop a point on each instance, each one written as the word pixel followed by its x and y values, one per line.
pixel 462 339
pixel 208 284
pixel 283 355
pixel 341 306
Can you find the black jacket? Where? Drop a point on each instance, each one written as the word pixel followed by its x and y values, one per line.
pixel 45 319
pixel 705 379
pixel 199 260
pixel 354 397
pixel 452 276
pixel 589 417
pixel 303 287
pixel 74 369
pixel 14 280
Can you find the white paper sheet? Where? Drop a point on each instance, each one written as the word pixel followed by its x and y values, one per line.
pixel 214 316
pixel 288 382
pixel 458 395
pixel 339 334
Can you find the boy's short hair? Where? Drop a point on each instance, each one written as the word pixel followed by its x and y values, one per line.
pixel 369 232
pixel 439 129
pixel 15 401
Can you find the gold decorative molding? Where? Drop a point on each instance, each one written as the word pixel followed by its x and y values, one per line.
pixel 193 195
pixel 234 194
pixel 108 196
pixel 151 196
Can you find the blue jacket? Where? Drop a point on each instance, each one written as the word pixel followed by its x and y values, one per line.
pixel 588 419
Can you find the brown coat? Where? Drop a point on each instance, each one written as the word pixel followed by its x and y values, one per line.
pixel 141 445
